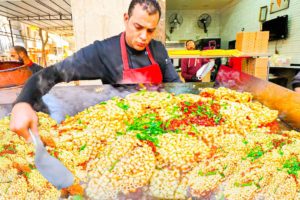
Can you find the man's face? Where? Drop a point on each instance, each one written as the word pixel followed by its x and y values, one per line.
pixel 190 45
pixel 140 27
pixel 15 56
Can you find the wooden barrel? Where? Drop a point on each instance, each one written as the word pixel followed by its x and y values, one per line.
pixel 13 74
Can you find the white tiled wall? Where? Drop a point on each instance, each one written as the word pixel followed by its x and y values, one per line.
pixel 245 14
pixel 189 28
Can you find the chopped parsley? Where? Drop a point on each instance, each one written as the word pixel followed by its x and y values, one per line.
pixel 217 118
pixel 292 165
pixel 280 152
pixel 82 147
pixel 113 165
pixel 77 197
pixel 123 105
pixel 187 103
pixel 27 174
pixel 200 173
pixel 245 141
pixel 243 184
pixel 255 153
pixel 194 128
pixel 224 105
pixel 149 127
pixel 120 133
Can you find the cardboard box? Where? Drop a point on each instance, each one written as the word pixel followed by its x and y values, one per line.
pixel 245 67
pixel 245 42
pixel 257 67
pixel 262 42
pixel 253 42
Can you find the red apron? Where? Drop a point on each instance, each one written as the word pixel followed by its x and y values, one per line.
pixel 29 64
pixel 147 74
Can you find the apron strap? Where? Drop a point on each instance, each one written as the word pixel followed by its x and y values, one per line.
pixel 153 62
pixel 125 55
pixel 30 64
pixel 124 52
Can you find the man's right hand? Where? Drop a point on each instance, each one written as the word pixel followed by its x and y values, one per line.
pixel 22 118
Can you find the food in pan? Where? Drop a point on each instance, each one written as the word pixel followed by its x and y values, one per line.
pixel 219 143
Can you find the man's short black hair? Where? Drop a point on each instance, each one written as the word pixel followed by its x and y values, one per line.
pixel 20 49
pixel 152 6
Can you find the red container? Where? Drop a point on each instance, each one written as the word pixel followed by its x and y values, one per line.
pixel 13 74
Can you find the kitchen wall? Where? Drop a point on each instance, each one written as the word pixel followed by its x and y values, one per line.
pixel 97 19
pixel 100 19
pixel 189 28
pixel 244 14
pixel 5 39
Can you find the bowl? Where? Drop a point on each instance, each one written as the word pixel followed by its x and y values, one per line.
pixel 13 74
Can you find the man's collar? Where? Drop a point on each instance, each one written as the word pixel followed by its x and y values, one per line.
pixel 134 51
pixel 29 64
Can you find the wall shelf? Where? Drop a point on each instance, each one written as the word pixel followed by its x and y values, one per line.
pixel 286 67
pixel 246 55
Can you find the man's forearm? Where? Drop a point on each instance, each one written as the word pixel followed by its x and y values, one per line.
pixel 38 85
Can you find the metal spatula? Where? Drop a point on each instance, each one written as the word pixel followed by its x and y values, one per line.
pixel 51 168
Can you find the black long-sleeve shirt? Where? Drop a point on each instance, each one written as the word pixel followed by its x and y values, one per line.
pixel 296 81
pixel 34 68
pixel 100 60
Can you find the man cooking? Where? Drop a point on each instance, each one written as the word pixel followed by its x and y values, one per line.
pixel 131 57
pixel 20 53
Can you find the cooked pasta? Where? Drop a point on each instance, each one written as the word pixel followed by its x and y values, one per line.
pixel 156 145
